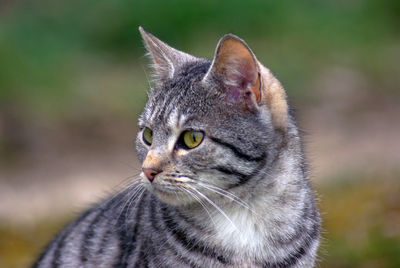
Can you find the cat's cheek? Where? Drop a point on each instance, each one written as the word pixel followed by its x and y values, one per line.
pixel 141 157
pixel 211 150
pixel 181 153
pixel 141 151
pixel 189 157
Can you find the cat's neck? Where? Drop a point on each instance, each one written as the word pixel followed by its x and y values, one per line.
pixel 269 212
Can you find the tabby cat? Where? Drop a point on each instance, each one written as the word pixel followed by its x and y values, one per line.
pixel 223 182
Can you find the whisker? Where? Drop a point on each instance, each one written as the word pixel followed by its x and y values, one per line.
pixel 133 198
pixel 118 189
pixel 137 190
pixel 215 206
pixel 223 192
pixel 193 194
pixel 128 180
pixel 227 194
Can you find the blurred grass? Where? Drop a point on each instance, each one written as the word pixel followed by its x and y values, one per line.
pixel 19 246
pixel 361 219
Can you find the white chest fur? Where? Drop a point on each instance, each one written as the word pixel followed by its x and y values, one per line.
pixel 241 233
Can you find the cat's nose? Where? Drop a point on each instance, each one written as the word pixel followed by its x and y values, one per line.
pixel 150 173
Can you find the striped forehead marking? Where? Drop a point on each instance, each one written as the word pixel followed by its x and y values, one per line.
pixel 173 119
pixel 174 123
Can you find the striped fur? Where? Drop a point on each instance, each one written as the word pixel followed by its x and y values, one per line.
pixel 240 199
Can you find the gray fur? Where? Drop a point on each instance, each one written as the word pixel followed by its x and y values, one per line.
pixel 240 199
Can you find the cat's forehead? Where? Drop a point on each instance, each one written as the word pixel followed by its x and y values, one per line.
pixel 182 98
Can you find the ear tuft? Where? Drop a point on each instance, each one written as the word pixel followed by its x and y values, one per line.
pixel 166 60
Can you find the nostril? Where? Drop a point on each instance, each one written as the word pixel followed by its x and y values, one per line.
pixel 150 173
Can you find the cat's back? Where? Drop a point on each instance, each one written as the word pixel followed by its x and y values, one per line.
pixel 98 237
pixel 144 233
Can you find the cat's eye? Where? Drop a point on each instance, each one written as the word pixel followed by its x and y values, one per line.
pixel 147 136
pixel 191 139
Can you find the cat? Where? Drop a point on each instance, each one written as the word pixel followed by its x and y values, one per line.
pixel 223 183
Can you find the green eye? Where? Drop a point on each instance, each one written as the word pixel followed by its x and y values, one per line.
pixel 147 136
pixel 192 139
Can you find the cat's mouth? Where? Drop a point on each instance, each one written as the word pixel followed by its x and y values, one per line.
pixel 184 190
pixel 170 192
pixel 164 190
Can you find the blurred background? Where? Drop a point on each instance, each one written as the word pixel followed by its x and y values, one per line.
pixel 73 80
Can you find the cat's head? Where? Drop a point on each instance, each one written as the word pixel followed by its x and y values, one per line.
pixel 209 126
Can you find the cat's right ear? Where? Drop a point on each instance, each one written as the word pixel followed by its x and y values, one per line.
pixel 165 59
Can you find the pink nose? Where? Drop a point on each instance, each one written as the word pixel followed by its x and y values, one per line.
pixel 150 173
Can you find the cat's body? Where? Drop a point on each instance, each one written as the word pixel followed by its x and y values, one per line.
pixel 224 182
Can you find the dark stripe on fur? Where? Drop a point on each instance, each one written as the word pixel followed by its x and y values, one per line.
pixel 87 238
pixel 115 202
pixel 243 180
pixel 237 152
pixel 103 242
pixel 128 233
pixel 142 260
pixel 155 218
pixel 91 229
pixel 192 223
pixel 60 241
pixel 235 173
pixel 302 250
pixel 188 243
pixel 153 214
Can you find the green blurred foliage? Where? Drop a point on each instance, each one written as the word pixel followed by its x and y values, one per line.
pixel 48 47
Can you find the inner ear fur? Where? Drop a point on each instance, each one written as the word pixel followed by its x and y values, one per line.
pixel 237 67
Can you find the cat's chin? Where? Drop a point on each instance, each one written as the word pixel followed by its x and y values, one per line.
pixel 171 197
pixel 174 200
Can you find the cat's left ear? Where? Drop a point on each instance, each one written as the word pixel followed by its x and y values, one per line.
pixel 166 60
pixel 246 81
pixel 235 66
